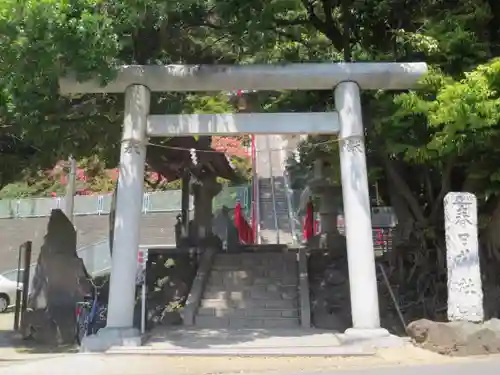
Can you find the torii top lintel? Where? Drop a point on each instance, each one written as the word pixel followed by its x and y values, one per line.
pixel 302 76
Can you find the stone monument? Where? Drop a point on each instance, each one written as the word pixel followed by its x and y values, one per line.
pixel 59 282
pixel 465 294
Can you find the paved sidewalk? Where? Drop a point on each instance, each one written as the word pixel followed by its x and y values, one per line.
pixel 407 360
pixel 187 341
pixel 400 360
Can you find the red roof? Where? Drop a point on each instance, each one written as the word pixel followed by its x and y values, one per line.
pixel 230 145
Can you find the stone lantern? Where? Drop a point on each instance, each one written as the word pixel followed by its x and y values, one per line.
pixel 330 198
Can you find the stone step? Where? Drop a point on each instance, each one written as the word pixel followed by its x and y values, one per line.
pixel 237 292
pixel 272 250
pixel 245 322
pixel 253 289
pixel 285 304
pixel 268 201
pixel 282 282
pixel 266 215
pixel 246 267
pixel 278 185
pixel 270 223
pixel 259 271
pixel 213 293
pixel 250 313
pixel 269 204
pixel 267 191
pixel 264 201
pixel 267 253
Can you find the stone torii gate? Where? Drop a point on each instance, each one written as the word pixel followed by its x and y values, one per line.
pixel 345 78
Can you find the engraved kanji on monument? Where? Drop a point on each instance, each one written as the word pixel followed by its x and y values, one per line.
pixel 465 294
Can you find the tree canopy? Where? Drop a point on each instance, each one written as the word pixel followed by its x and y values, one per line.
pixel 421 144
pixel 446 127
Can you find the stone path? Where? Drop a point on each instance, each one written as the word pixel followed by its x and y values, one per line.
pixel 245 342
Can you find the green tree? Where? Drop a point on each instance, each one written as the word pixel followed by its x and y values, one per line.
pixel 420 145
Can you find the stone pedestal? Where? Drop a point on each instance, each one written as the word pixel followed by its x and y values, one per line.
pixel 109 337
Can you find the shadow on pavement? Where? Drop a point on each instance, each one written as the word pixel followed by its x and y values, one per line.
pixel 11 341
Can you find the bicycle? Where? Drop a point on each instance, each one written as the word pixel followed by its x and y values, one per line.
pixel 90 314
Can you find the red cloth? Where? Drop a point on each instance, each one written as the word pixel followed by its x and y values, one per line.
pixel 309 222
pixel 245 232
pixel 237 217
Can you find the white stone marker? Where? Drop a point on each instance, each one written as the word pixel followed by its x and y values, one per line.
pixel 465 294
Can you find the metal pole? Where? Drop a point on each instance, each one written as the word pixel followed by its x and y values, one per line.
pixel 393 297
pixel 273 193
pixel 289 192
pixel 26 285
pixel 143 305
pixel 256 194
pixel 144 269
pixel 19 289
pixel 255 218
pixel 70 190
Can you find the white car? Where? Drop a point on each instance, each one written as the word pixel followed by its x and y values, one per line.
pixel 7 293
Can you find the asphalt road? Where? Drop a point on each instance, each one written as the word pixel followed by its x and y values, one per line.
pixel 114 365
pixel 483 367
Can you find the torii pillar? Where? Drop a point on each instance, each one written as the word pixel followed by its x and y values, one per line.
pixel 345 78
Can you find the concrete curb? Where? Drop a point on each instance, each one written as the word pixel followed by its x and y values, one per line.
pixel 345 351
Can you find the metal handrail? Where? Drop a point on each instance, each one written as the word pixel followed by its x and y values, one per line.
pixel 273 191
pixel 256 192
pixel 291 211
pixel 289 196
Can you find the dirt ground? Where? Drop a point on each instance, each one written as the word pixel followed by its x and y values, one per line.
pixel 148 364
pixel 15 350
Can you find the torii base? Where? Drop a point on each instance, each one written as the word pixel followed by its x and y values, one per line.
pixel 374 338
pixel 110 337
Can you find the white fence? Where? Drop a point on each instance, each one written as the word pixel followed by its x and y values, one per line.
pixel 160 201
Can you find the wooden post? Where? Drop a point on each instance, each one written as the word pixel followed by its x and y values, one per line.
pixel 69 202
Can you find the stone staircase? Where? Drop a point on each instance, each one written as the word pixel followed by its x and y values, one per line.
pixel 251 290
pixel 274 212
